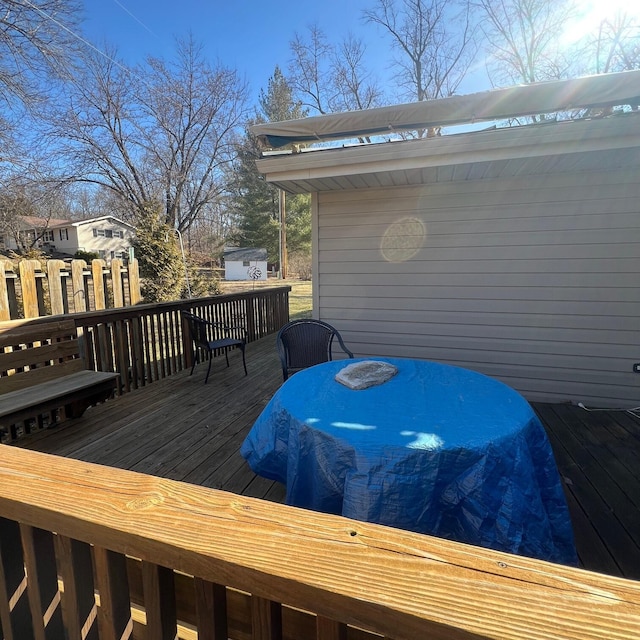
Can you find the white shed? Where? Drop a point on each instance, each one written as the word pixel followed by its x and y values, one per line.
pixel 242 263
pixel 513 251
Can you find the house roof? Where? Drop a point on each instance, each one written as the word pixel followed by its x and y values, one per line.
pixel 609 139
pixel 79 223
pixel 600 91
pixel 35 222
pixel 236 254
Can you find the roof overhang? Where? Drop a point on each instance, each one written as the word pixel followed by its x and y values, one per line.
pixel 584 145
pixel 580 145
pixel 600 91
pixel 606 140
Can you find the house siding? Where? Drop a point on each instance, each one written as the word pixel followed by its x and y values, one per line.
pixel 110 247
pixel 531 279
pixel 237 270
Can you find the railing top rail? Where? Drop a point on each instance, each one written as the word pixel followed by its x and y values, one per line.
pixel 396 583
pixel 87 317
pixel 143 309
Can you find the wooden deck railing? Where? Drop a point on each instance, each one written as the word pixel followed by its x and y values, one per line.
pixel 94 552
pixel 146 342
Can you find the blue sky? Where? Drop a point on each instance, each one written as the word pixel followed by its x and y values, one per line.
pixel 251 36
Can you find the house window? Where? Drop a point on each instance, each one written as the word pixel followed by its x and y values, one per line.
pixel 64 234
pixel 98 233
pixel 118 233
pixel 102 253
pixel 47 236
pixel 108 233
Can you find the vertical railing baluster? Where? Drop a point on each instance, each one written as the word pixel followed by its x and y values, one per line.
pixel 328 629
pixel 266 619
pixel 159 601
pixel 114 614
pixel 15 615
pixel 79 609
pixel 155 346
pixel 120 329
pixel 211 610
pixel 42 585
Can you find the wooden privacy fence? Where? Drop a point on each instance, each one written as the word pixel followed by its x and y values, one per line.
pixel 88 552
pixel 29 291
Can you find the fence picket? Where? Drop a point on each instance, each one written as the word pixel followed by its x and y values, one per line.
pixel 5 309
pixel 56 293
pixel 77 284
pixel 27 270
pixel 97 268
pixel 116 282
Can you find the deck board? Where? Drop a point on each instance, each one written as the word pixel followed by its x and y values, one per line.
pixel 182 429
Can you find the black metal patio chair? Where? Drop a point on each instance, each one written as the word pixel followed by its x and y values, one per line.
pixel 303 343
pixel 212 337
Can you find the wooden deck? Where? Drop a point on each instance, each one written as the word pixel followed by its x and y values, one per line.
pixel 181 429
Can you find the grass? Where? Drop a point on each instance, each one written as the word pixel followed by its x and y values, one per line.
pixel 300 299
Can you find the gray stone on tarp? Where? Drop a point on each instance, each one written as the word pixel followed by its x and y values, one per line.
pixel 368 373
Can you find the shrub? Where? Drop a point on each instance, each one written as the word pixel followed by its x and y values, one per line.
pixel 87 256
pixel 300 265
pixel 159 258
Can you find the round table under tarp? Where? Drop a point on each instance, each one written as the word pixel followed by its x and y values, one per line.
pixel 435 449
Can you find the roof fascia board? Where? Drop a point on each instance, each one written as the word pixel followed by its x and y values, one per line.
pixel 100 219
pixel 514 142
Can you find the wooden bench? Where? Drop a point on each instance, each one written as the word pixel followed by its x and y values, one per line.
pixel 43 378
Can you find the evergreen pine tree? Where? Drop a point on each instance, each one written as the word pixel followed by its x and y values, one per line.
pixel 256 202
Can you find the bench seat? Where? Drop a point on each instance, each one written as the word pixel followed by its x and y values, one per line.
pixel 71 391
pixel 43 376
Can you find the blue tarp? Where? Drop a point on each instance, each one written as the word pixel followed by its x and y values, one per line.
pixel 437 449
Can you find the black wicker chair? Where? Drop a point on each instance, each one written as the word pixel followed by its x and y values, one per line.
pixel 214 336
pixel 303 343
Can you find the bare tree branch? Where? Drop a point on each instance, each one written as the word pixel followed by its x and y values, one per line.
pixel 36 41
pixel 162 132
pixel 434 41
pixel 524 39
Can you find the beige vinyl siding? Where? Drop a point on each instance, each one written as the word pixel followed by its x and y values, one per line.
pixel 531 279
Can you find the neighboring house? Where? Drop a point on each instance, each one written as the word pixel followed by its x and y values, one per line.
pixel 245 263
pixel 513 251
pixel 107 236
pixel 30 230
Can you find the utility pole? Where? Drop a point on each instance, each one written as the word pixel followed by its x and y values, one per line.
pixel 282 201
